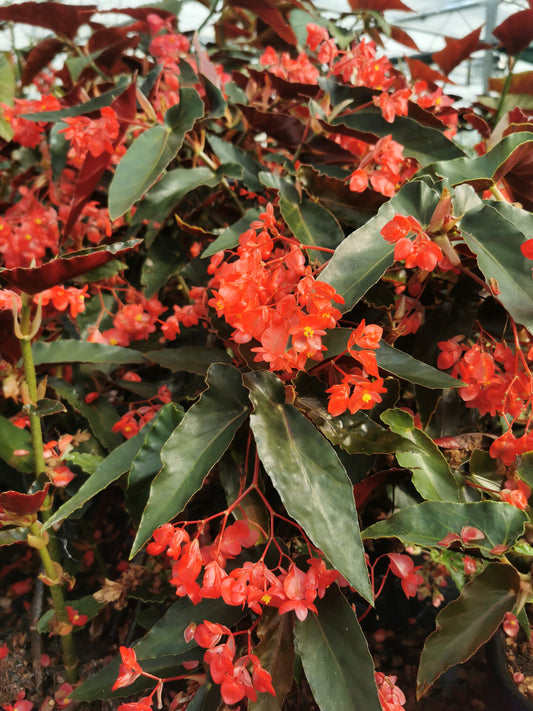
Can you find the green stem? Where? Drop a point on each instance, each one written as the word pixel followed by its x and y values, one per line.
pixel 506 87
pixel 48 551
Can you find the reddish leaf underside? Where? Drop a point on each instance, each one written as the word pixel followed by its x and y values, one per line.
pixel 269 13
pixel 516 32
pixel 62 19
pixel 379 5
pixel 16 503
pixel 39 57
pixel 457 50
pixel 32 280
pixel 420 70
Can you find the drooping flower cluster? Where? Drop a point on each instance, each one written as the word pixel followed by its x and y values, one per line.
pixel 421 252
pixel 383 166
pixel 233 675
pixel 268 294
pixel 134 321
pixel 498 382
pixel 252 584
pixel 390 696
pixel 26 132
pixel 356 391
pixel 139 415
pixel 92 136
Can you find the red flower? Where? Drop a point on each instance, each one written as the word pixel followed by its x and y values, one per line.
pixel 402 566
pixel 129 669
pixel 75 618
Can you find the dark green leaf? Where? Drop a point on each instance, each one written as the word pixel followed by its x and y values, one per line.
pixel 312 225
pixel 72 351
pixel 87 462
pixel 428 523
pixel 364 256
pixel 228 153
pixel 335 657
pixel 13 438
pixel 501 259
pixel 230 237
pixel 309 477
pixel 100 414
pixel 421 142
pixel 486 169
pixel 194 448
pixel 147 461
pixel 45 407
pixel 432 475
pixel 151 152
pixel 393 361
pixel 193 359
pixel 111 469
pixel 467 623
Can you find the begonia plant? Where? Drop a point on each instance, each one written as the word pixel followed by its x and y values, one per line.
pixel 267 347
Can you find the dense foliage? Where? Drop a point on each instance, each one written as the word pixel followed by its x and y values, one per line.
pixel 267 300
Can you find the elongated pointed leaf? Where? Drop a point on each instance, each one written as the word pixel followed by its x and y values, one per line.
pixel 364 256
pixel 501 259
pixel 147 461
pixel 72 351
pixel 276 652
pixel 164 639
pixel 335 657
pixel 151 152
pixel 432 475
pixel 467 623
pixel 230 237
pixel 7 92
pixel 421 142
pixel 313 225
pixel 394 361
pixel 309 477
pixel 228 153
pixel 193 359
pixel 194 448
pixel 428 523
pixel 111 469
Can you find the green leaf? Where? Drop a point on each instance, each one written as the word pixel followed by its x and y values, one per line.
pixel 72 351
pixel 309 477
pixel 467 623
pixel 421 142
pixel 151 152
pixel 358 434
pixel 313 225
pixel 165 638
pixel 229 238
pixel 228 153
pixel 486 169
pixel 147 461
pixel 364 256
pixel 193 359
pixel 432 475
pixel 13 438
pixel 87 605
pixel 7 92
pixel 393 361
pixel 111 469
pixel 88 107
pixel 276 652
pixel 89 463
pixel 194 448
pixel 500 259
pixel 335 657
pixel 45 407
pixel 428 523
pixel 100 414
pixel 8 536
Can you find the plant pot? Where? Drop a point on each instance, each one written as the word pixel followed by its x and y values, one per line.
pixel 504 661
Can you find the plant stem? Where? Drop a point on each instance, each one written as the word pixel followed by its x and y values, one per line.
pixel 48 551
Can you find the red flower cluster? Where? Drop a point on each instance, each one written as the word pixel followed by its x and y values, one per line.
pixel 403 567
pixel 134 321
pixel 253 584
pixel 516 492
pixel 28 133
pixel 236 682
pixel 421 252
pixel 92 136
pixel 188 315
pixel 129 670
pixel 27 231
pixel 357 391
pixel 63 298
pixel 384 166
pixel 390 696
pixel 134 420
pixel 269 295
pixel 300 69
